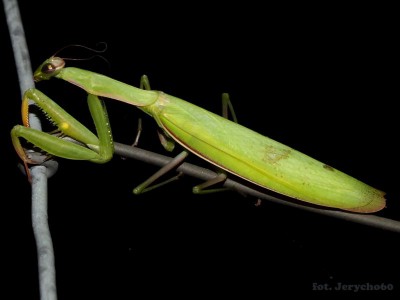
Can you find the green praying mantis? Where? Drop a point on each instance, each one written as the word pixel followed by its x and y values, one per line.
pixel 226 144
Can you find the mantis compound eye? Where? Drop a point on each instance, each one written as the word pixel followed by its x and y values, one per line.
pixel 54 64
pixel 48 68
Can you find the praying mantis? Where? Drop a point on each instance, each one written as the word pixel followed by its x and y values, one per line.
pixel 226 144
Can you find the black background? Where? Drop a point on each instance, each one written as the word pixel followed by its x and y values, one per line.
pixel 317 79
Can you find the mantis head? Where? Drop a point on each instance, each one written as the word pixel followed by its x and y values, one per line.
pixel 50 68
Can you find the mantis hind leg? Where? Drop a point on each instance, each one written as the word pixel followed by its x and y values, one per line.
pixel 203 188
pixel 227 108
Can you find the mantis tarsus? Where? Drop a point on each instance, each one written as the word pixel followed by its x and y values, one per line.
pixel 224 143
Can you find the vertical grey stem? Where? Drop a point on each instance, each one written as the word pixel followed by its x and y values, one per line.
pixel 39 174
pixel 44 244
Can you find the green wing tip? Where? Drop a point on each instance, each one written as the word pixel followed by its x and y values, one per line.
pixel 377 203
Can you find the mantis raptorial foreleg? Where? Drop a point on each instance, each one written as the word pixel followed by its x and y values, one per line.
pixel 95 149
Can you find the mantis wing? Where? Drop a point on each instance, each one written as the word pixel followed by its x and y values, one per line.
pixel 261 160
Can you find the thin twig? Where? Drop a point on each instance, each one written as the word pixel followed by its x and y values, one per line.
pixel 44 245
